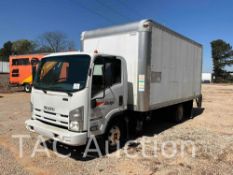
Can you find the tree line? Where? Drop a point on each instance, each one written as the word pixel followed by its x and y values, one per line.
pixel 46 43
pixel 222 56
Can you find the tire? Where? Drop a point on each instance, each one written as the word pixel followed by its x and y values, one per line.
pixel 115 136
pixel 135 126
pixel 27 88
pixel 199 101
pixel 179 113
pixel 188 107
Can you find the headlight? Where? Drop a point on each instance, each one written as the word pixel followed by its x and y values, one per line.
pixel 74 125
pixel 76 119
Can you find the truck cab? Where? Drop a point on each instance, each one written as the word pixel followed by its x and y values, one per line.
pixel 76 95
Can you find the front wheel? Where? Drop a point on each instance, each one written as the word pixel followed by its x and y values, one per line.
pixel 27 88
pixel 115 136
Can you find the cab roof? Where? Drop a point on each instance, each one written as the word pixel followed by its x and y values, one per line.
pixel 68 53
pixel 77 53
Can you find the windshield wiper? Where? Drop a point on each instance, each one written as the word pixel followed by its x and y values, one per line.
pixel 44 90
pixel 70 94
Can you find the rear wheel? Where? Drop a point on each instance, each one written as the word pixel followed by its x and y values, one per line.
pixel 27 88
pixel 179 113
pixel 199 101
pixel 188 107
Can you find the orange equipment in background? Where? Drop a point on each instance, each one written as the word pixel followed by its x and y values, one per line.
pixel 23 69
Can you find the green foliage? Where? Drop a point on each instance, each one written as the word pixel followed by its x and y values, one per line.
pixel 222 56
pixel 23 47
pixel 6 51
pixel 7 48
pixel 16 47
pixel 46 43
pixel 4 58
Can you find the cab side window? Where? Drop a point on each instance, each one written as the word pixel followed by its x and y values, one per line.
pixel 116 71
pixel 98 76
pixel 103 66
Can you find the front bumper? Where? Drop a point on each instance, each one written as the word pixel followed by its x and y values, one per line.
pixel 56 133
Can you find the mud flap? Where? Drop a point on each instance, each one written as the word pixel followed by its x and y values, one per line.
pixel 199 101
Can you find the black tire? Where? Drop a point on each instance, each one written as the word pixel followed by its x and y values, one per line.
pixel 179 113
pixel 188 107
pixel 199 101
pixel 27 88
pixel 114 137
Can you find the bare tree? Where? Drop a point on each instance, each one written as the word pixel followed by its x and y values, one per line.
pixel 54 42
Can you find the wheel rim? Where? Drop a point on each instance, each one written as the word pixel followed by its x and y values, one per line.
pixel 114 136
pixel 27 88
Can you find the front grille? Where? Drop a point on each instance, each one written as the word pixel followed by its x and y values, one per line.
pixel 66 116
pixel 52 118
pixel 52 124
pixel 15 73
pixel 52 113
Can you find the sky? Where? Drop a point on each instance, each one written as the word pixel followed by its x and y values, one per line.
pixel 200 20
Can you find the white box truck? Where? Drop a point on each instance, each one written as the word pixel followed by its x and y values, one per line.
pixel 207 77
pixel 121 74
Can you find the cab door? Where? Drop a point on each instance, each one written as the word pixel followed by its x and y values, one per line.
pixel 107 90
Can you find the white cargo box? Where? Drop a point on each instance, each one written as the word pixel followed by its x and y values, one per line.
pixel 206 77
pixel 164 67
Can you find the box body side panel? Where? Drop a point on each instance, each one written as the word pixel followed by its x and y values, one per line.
pixel 175 68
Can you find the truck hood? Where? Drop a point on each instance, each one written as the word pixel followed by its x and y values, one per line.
pixel 58 102
pixel 55 102
pixel 54 107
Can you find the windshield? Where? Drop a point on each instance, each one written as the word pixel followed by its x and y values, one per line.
pixel 62 73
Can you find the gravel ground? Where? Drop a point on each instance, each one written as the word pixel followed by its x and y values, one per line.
pixel 4 85
pixel 204 144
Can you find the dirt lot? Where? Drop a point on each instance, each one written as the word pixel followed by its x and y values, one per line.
pixel 4 85
pixel 208 136
pixel 4 80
